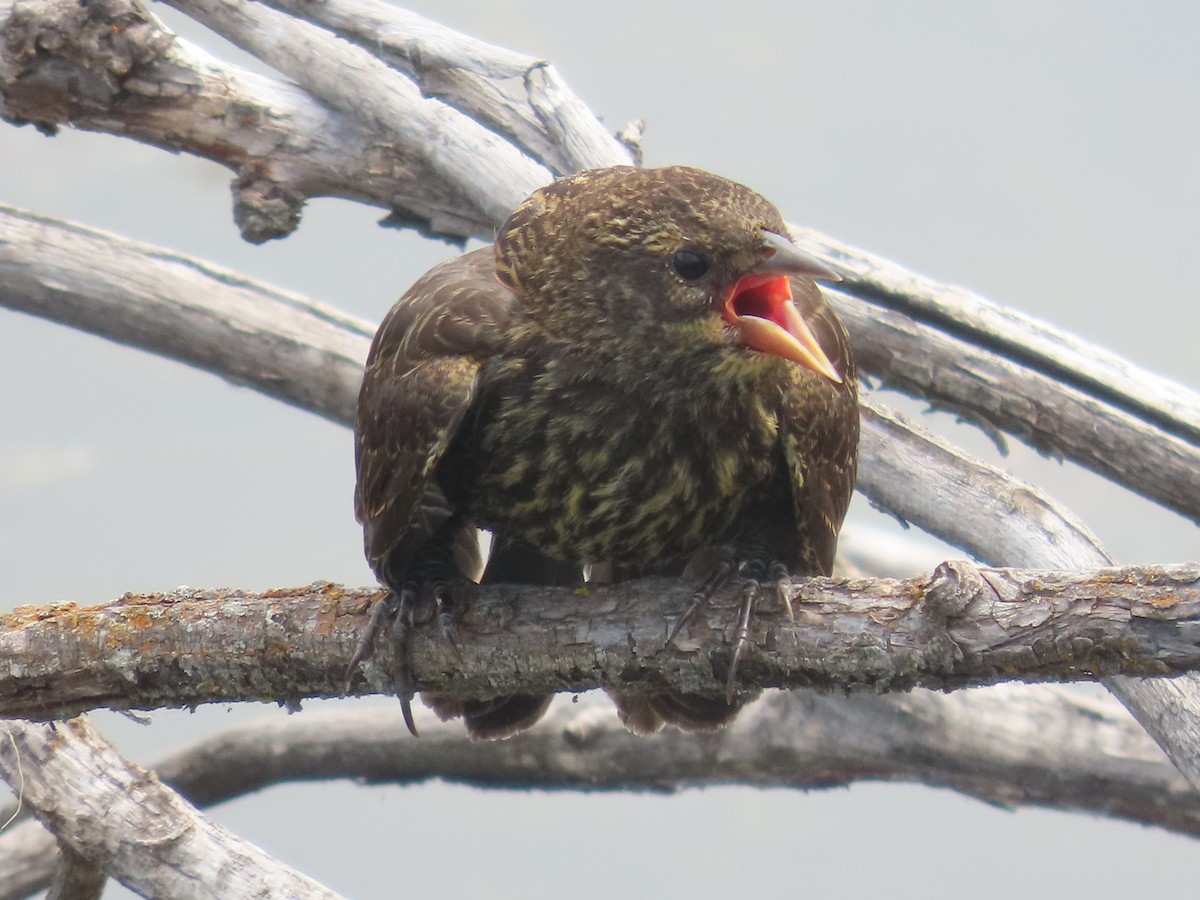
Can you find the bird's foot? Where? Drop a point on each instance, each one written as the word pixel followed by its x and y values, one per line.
pixel 397 610
pixel 449 610
pixel 757 571
pixel 401 611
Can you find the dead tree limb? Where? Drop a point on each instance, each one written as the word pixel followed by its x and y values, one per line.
pixel 122 819
pixel 1013 746
pixel 962 626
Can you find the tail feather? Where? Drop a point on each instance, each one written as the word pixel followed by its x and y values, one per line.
pixel 693 713
pixel 503 717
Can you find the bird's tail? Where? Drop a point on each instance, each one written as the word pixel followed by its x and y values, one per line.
pixel 503 717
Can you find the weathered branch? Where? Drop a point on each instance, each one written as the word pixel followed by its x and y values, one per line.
pixel 1013 746
pixel 962 626
pixel 514 95
pixel 493 174
pixel 1009 377
pixel 121 818
pixel 111 66
pixel 249 333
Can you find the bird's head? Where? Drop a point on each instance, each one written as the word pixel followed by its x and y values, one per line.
pixel 665 262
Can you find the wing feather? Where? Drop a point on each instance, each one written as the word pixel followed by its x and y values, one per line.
pixel 421 377
pixel 820 437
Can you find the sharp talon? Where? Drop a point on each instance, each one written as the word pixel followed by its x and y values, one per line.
pixel 781 579
pixel 384 609
pixel 402 679
pixel 713 583
pixel 446 611
pixel 698 600
pixel 406 711
pixel 741 636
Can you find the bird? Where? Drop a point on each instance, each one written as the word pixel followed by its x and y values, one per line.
pixel 640 376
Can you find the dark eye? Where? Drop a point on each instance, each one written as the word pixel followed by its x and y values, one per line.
pixel 689 265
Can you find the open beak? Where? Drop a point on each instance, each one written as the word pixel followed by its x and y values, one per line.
pixel 759 306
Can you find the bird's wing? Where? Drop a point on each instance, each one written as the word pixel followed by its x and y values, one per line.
pixel 420 378
pixel 820 437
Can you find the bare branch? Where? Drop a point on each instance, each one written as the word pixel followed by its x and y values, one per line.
pixel 1012 745
pixel 517 96
pixel 494 175
pixel 112 66
pixel 249 333
pixel 1008 375
pixel 1022 338
pixel 121 818
pixel 962 626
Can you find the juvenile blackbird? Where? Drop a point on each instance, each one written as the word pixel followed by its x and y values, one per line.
pixel 638 374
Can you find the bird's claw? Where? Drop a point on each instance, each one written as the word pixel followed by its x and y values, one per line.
pixel 716 580
pixel 365 647
pixel 402 628
pixel 741 634
pixel 398 608
pixel 755 572
pixel 447 618
pixel 384 610
pixel 779 576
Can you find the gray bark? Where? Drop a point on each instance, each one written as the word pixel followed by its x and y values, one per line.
pixel 121 818
pixel 962 626
pixel 1012 746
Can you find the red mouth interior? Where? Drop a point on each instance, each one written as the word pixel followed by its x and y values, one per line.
pixel 762 296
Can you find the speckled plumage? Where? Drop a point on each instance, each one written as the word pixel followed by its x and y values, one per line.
pixel 570 391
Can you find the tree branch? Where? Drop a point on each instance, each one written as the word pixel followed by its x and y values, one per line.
pixel 962 626
pixel 496 175
pixel 122 819
pixel 1008 376
pixel 249 333
pixel 517 96
pixel 111 66
pixel 1012 746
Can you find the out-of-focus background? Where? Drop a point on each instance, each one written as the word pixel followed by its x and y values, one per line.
pixel 1043 154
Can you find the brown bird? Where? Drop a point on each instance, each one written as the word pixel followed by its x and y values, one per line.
pixel 639 374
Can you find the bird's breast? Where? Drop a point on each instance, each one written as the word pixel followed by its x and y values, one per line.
pixel 587 467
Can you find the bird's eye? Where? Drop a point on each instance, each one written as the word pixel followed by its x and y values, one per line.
pixel 689 265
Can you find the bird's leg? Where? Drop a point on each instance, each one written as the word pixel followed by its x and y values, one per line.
pixel 402 628
pixel 448 611
pixel 741 634
pixel 717 579
pixel 755 567
pixel 398 608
